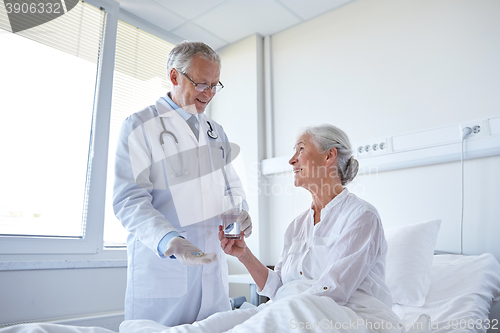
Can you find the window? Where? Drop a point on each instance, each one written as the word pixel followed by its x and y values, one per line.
pixel 140 78
pixel 48 84
pixel 55 126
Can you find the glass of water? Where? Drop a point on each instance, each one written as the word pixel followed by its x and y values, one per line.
pixel 231 207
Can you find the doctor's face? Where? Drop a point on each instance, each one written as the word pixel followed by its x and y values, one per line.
pixel 184 93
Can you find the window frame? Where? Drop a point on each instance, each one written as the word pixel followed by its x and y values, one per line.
pixel 133 32
pixel 92 242
pixel 78 251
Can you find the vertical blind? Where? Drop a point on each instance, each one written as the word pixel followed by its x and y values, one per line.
pixel 77 32
pixel 140 78
pixel 48 86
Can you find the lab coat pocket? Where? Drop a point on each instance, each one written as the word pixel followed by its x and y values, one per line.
pixel 156 277
pixel 216 156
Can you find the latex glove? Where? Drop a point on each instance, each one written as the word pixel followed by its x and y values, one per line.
pixel 246 223
pixel 187 253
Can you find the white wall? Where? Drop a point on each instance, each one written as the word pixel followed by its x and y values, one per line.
pixel 387 67
pixel 41 294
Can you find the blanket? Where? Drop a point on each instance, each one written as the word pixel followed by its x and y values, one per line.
pixel 294 309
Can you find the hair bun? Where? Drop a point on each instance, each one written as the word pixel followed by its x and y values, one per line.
pixel 351 170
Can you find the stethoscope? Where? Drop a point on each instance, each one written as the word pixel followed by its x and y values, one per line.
pixel 172 135
pixel 210 133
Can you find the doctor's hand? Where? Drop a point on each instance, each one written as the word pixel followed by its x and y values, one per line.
pixel 234 247
pixel 246 223
pixel 187 253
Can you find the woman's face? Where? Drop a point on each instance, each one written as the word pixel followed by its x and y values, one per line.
pixel 310 166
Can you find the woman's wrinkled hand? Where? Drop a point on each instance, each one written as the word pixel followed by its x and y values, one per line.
pixel 234 247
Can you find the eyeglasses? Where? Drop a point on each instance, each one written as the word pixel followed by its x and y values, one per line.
pixel 201 87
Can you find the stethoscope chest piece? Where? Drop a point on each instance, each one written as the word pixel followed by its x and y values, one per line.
pixel 212 135
pixel 211 132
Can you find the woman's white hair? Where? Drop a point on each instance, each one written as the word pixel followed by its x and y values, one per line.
pixel 326 137
pixel 183 53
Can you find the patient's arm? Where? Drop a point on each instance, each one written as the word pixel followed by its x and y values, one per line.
pixel 239 249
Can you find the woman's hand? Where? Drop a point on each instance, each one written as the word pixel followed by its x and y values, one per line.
pixel 234 247
pixel 238 248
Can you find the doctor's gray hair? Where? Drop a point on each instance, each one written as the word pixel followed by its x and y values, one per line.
pixel 183 53
pixel 326 137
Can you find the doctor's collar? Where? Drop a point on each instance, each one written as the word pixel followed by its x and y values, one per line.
pixel 183 113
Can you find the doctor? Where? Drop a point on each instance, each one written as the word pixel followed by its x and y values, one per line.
pixel 173 166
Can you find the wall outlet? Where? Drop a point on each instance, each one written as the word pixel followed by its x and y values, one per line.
pixel 478 129
pixel 372 147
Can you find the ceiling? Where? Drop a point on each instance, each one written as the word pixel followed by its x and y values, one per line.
pixel 223 22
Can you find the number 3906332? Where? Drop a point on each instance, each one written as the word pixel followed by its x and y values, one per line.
pixel 34 8
pixel 470 324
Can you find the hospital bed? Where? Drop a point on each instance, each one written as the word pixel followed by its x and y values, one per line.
pixel 462 291
pixel 431 292
pixel 455 292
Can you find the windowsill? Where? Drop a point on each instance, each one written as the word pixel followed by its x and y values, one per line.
pixel 61 264
pixel 108 258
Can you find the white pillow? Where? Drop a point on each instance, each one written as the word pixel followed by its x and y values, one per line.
pixel 409 260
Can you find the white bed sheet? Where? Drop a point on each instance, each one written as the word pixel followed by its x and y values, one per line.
pixel 462 288
pixel 292 310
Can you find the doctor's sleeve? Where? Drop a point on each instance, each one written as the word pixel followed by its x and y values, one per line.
pixel 132 199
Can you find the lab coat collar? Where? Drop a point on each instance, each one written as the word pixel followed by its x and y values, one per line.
pixel 171 101
pixel 164 109
pixel 183 113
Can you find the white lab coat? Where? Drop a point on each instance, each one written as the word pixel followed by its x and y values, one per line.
pixel 153 196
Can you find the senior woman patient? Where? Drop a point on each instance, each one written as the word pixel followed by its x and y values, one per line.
pixel 332 264
pixel 339 241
